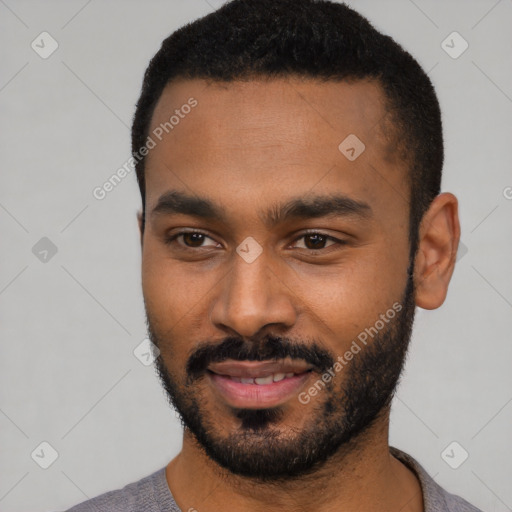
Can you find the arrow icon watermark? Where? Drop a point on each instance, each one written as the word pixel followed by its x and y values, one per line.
pixel 351 147
pixel 249 249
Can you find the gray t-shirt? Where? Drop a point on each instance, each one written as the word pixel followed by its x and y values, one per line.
pixel 152 494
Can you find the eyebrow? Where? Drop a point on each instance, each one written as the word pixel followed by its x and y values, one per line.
pixel 312 207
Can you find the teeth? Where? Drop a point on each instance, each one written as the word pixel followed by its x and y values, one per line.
pixel 264 380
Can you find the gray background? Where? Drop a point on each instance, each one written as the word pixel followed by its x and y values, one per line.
pixel 69 324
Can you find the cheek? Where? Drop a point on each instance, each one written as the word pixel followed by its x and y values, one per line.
pixel 350 297
pixel 174 292
pixel 167 305
pixel 381 284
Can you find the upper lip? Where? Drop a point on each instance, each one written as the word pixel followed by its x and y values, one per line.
pixel 255 369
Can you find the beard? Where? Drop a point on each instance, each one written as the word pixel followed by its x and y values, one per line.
pixel 266 448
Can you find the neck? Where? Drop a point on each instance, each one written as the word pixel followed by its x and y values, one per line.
pixel 361 475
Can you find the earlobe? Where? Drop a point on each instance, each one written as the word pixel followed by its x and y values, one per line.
pixel 438 242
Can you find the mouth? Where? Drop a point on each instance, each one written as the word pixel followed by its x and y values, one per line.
pixel 258 384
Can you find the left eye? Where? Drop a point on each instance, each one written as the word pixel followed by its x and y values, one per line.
pixel 317 241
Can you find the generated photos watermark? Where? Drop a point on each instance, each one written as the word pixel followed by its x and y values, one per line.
pixel 342 361
pixel 101 191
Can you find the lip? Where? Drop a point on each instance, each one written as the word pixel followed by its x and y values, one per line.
pixel 253 369
pixel 257 396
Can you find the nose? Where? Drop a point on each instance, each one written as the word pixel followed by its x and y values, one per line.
pixel 252 298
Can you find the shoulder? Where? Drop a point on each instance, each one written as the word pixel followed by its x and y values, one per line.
pixel 435 498
pixel 457 504
pixel 149 494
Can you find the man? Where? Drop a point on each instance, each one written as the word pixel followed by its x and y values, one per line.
pixel 289 158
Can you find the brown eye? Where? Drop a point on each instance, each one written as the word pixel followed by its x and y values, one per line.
pixel 190 240
pixel 193 239
pixel 315 241
pixel 318 241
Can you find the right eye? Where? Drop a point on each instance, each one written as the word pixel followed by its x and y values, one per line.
pixel 191 240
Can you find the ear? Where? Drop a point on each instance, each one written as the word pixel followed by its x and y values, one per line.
pixel 141 230
pixel 439 235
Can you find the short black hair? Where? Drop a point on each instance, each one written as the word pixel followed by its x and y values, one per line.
pixel 319 39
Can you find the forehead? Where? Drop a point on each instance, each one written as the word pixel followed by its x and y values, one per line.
pixel 283 136
pixel 255 108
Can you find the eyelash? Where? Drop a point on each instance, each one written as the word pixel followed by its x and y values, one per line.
pixel 172 238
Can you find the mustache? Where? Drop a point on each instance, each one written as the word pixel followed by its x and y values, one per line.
pixel 271 348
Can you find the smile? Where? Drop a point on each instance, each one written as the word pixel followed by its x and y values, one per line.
pixel 263 381
pixel 258 384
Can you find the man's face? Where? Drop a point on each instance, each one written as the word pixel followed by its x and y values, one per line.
pixel 252 312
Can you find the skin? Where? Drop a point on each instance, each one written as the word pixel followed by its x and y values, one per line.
pixel 241 138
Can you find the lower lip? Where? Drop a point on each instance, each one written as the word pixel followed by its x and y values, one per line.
pixel 257 396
